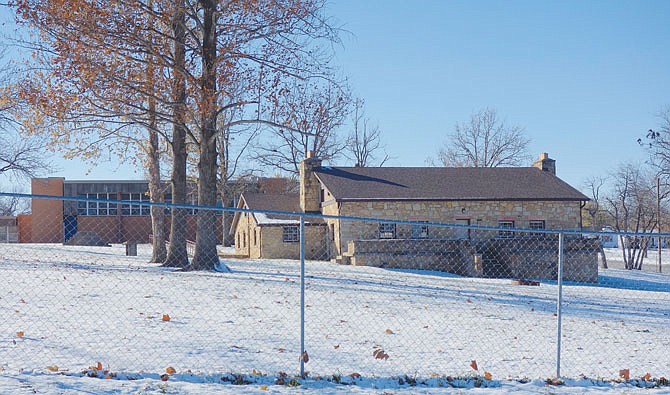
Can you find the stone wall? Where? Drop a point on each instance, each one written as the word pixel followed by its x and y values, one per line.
pixel 256 242
pixel 273 245
pixel 536 257
pixel 555 214
pixel 453 256
pixel 519 258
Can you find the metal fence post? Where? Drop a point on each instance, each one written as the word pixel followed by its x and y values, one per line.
pixel 559 305
pixel 302 295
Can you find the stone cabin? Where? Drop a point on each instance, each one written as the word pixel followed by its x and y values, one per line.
pixel 260 234
pixel 519 197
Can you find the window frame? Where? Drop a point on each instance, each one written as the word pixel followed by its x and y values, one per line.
pixel 94 208
pixel 506 223
pixel 290 234
pixel 532 224
pixel 419 231
pixel 387 234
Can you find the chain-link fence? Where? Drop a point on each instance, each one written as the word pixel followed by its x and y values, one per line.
pixel 331 296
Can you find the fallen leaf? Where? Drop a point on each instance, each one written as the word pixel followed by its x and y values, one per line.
pixel 624 374
pixel 22 301
pixel 355 375
pixel 19 334
pixel 468 300
pixel 170 370
pixel 337 346
pixel 52 368
pixel 388 332
pixel 264 387
pixel 166 317
pixel 647 377
pixel 487 375
pixel 473 364
pixel 99 366
pixel 165 377
pixel 380 354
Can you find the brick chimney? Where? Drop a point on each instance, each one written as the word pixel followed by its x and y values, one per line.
pixel 545 163
pixel 310 188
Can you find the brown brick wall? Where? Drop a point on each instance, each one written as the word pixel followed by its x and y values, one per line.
pixel 47 215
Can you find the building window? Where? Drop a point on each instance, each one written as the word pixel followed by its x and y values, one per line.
pixel 536 224
pixel 291 234
pixel 386 231
pixel 95 207
pixel 255 237
pixel 238 245
pixel 135 208
pixel 420 231
pixel 189 200
pixel 507 225
pixel 244 239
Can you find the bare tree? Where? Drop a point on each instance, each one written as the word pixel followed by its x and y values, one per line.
pixel 314 113
pixel 595 211
pixel 485 141
pixel 631 207
pixel 13 205
pixel 657 142
pixel 364 143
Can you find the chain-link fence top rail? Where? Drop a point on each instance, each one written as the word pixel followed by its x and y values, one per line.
pixel 408 297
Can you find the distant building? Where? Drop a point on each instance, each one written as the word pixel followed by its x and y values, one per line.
pixel 9 230
pixel 266 235
pixel 518 197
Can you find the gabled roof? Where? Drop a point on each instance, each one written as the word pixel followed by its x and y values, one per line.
pixel 445 183
pixel 285 202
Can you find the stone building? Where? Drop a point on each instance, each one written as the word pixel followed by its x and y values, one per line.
pixel 262 233
pixel 520 197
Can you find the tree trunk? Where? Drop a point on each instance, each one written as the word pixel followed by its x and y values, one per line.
pixel 602 254
pixel 206 257
pixel 159 252
pixel 177 255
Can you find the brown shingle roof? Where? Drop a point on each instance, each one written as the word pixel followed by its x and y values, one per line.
pixel 445 183
pixel 285 202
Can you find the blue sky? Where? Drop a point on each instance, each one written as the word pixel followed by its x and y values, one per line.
pixel 585 78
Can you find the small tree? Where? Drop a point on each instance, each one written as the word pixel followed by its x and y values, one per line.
pixel 13 205
pixel 485 141
pixel 631 207
pixel 364 143
pixel 596 213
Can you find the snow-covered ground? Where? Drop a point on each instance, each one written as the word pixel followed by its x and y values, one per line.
pixel 65 309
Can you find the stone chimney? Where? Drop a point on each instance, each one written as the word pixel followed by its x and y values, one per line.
pixel 545 163
pixel 310 188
